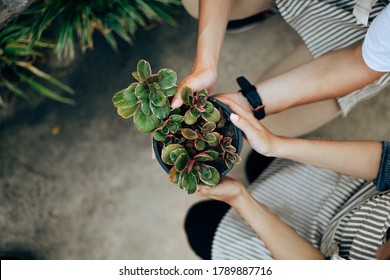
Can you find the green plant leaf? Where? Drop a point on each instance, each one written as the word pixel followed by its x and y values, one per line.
pixel 188 182
pixel 154 78
pixel 157 97
pixel 176 118
pixel 170 91
pixel 191 116
pixel 189 133
pixel 127 112
pixel 166 151
pixel 124 100
pixel 175 127
pixel 168 78
pixel 209 138
pixel 214 178
pixel 174 175
pixel 212 117
pixel 182 162
pixel 185 94
pixel 136 76
pixel 159 135
pixel 176 153
pixel 207 156
pixel 143 122
pixel 143 69
pixel 205 172
pixel 208 127
pixel 160 112
pixel 44 90
pixel 209 108
pixel 142 91
pixel 145 107
pixel 199 144
pixel 129 94
pixel 228 164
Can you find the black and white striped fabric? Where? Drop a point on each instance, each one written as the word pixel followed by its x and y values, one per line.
pixel 329 25
pixel 307 199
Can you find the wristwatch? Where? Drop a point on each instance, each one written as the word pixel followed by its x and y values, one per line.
pixel 250 92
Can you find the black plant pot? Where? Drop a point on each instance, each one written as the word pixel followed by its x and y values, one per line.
pixel 237 137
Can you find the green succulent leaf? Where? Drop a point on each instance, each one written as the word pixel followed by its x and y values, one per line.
pixel 229 164
pixel 160 112
pixel 143 69
pixel 188 182
pixel 175 127
pixel 168 78
pixel 174 175
pixel 176 118
pixel 119 101
pixel 207 156
pixel 199 144
pixel 136 76
pixel 203 91
pixel 176 153
pixel 127 112
pixel 143 122
pixel 145 107
pixel 209 138
pixel 214 178
pixel 182 162
pixel 205 172
pixel 185 94
pixel 157 97
pixel 191 116
pixel 209 107
pixel 129 94
pixel 208 127
pixel 170 91
pixel 154 78
pixel 202 100
pixel 212 117
pixel 189 133
pixel 142 91
pixel 159 134
pixel 166 151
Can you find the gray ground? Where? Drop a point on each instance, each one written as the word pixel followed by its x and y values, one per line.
pixel 92 191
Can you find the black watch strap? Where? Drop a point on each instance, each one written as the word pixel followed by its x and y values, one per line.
pixel 250 92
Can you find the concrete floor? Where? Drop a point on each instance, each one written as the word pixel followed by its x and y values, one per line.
pixel 92 191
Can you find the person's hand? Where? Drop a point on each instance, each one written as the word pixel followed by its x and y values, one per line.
pixel 235 97
pixel 259 137
pixel 383 253
pixel 198 79
pixel 229 190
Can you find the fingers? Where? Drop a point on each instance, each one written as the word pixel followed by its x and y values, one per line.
pixel 246 126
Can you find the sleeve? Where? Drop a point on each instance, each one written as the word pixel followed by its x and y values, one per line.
pixel 332 253
pixel 376 45
pixel 382 181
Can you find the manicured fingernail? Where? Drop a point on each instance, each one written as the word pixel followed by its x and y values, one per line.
pixel 233 117
pixel 175 103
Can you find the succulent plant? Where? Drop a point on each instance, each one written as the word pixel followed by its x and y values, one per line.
pixel 147 99
pixel 189 172
pixel 229 154
pixel 199 106
pixel 194 142
pixel 169 127
pixel 205 134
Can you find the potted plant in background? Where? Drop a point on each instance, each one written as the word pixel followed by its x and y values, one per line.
pixel 196 144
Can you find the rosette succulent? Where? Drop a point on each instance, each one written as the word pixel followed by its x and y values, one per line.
pixel 199 106
pixel 189 172
pixel 229 154
pixel 147 100
pixel 205 134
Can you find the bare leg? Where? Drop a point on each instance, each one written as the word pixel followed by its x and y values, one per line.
pixel 302 119
pixel 241 8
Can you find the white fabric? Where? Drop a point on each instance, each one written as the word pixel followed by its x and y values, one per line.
pixel 376 45
pixel 362 9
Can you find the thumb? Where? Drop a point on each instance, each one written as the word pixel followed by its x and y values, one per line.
pixel 243 124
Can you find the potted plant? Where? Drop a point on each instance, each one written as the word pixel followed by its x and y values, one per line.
pixel 196 144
